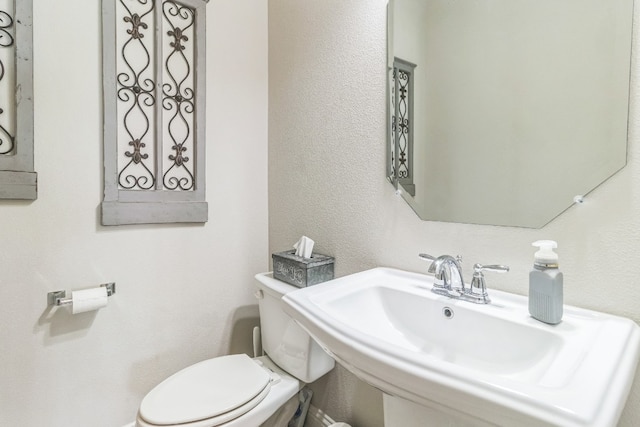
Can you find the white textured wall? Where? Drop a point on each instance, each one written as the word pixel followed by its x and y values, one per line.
pixel 181 289
pixel 326 180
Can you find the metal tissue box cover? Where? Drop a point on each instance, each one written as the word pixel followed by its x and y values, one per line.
pixel 302 272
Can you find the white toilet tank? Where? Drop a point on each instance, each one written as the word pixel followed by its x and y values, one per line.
pixel 284 341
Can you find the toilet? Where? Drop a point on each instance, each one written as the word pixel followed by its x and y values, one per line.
pixel 236 390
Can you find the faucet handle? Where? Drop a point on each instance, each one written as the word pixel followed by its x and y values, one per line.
pixel 478 285
pixel 432 259
pixel 427 257
pixel 479 268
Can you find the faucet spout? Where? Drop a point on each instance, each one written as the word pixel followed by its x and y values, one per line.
pixel 448 273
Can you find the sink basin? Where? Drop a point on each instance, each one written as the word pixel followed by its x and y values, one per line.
pixel 488 362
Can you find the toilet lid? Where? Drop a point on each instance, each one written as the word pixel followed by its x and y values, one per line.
pixel 205 390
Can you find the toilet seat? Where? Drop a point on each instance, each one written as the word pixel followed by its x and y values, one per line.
pixel 206 394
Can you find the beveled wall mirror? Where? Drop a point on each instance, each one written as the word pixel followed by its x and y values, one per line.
pixel 502 111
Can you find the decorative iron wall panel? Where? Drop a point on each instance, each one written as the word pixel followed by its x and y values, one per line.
pixel 178 96
pixel 18 179
pixel 154 117
pixel 400 97
pixel 7 78
pixel 156 95
pixel 136 106
pixel 401 149
pixel 401 121
pixel 391 169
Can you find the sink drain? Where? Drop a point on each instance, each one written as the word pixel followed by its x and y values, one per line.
pixel 448 312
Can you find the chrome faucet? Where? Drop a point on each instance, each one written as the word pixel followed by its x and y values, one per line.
pixel 447 272
pixel 450 282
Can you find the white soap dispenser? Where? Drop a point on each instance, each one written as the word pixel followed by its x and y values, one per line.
pixel 545 284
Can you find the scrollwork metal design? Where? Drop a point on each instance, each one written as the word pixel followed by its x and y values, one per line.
pixel 168 106
pixel 392 131
pixel 402 123
pixel 7 141
pixel 177 95
pixel 136 92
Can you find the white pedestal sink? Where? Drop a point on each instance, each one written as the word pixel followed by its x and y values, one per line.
pixel 470 364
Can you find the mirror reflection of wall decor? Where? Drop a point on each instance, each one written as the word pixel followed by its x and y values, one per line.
pixel 518 105
pixel 401 92
pixel 154 115
pixel 18 179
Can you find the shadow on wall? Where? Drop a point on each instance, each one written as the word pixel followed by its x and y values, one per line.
pixel 243 320
pixel 59 322
pixel 366 407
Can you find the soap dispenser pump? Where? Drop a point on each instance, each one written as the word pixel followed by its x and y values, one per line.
pixel 545 284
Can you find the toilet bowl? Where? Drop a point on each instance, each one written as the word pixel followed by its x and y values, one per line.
pixel 235 390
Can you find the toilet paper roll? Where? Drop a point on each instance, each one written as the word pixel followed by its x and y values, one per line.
pixel 88 299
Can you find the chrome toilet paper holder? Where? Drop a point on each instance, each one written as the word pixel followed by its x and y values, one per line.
pixel 58 298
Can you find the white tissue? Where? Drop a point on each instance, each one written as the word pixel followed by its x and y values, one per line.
pixel 304 247
pixel 89 299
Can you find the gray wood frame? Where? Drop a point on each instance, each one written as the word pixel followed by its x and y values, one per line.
pixel 18 179
pixel 151 206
